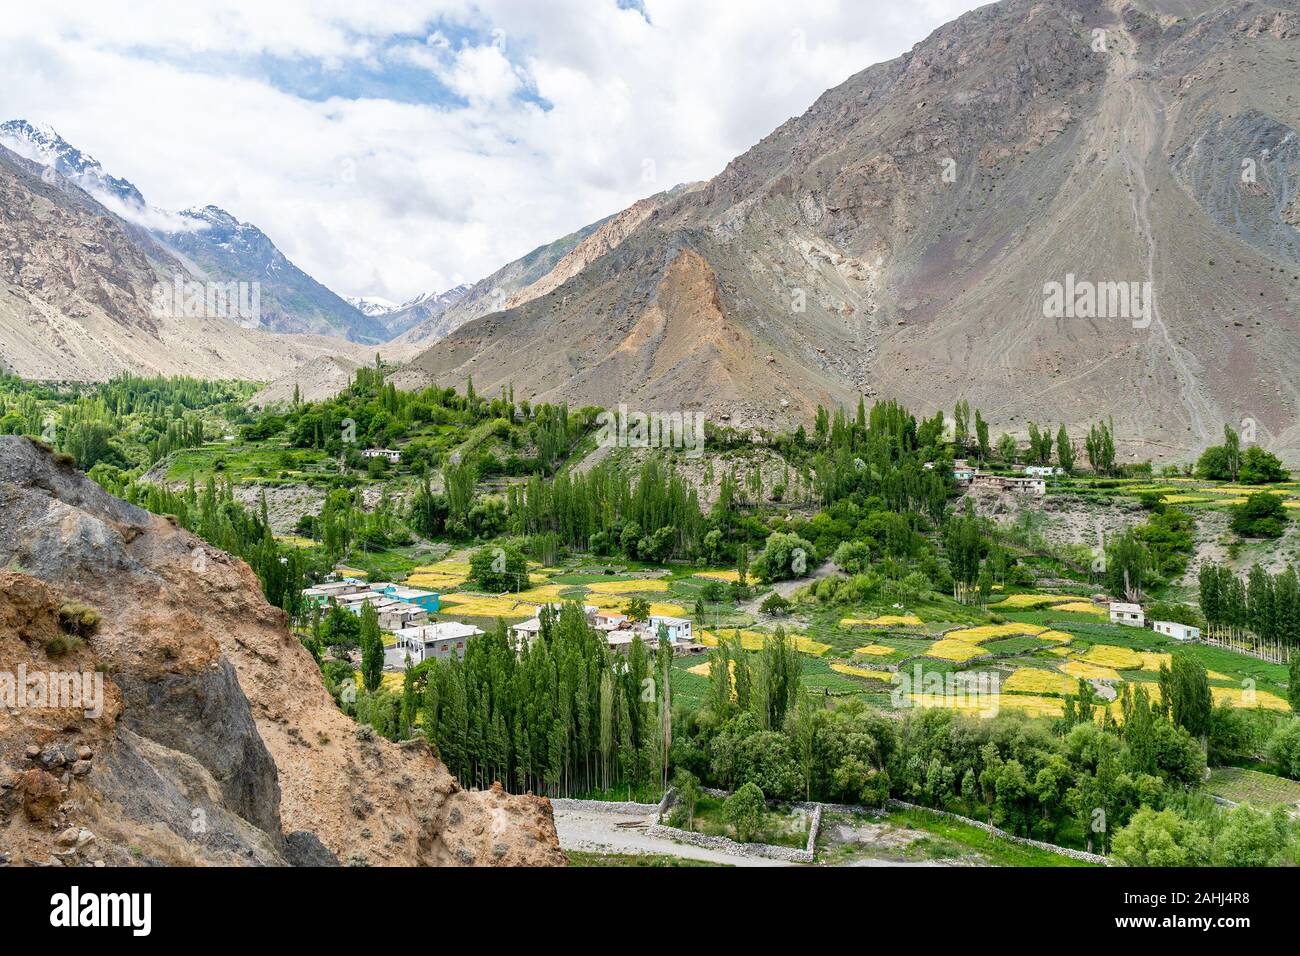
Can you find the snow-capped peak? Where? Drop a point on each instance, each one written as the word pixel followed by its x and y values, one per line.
pixel 370 305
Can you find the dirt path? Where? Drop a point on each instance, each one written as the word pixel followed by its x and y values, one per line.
pixel 786 588
pixel 598 831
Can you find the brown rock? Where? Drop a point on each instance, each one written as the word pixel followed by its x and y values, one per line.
pixel 40 794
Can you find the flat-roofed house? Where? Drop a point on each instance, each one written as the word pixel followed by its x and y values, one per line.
pixel 525 632
pixel 678 628
pixel 395 615
pixel 425 600
pixel 1179 632
pixel 436 641
pixel 1129 615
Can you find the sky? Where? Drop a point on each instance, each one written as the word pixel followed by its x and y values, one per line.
pixel 404 147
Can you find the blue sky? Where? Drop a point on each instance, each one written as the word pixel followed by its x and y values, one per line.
pixel 406 147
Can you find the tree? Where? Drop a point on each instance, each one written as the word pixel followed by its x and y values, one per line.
pixel 784 556
pixel 1007 449
pixel 1064 451
pixel 688 795
pixel 638 609
pixel 1161 838
pixel 372 649
pixel 982 436
pixel 1260 467
pixel 1261 515
pixel 1293 680
pixel 774 604
pixel 1191 706
pixel 499 568
pixel 1100 447
pixel 1284 748
pixel 744 810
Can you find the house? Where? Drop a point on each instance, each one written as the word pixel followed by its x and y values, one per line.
pixel 964 475
pixel 678 628
pixel 324 593
pixel 435 641
pixel 1025 486
pixel 609 621
pixel 525 632
pixel 355 602
pixel 1015 485
pixel 424 600
pixel 395 615
pixel 1130 615
pixel 393 457
pixel 1179 632
pixel 1043 471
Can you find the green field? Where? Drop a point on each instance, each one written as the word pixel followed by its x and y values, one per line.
pixel 1263 790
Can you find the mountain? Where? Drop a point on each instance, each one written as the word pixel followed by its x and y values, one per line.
pixel 426 308
pixel 531 276
pixel 212 244
pixel 42 145
pixel 77 296
pixel 215 741
pixel 374 306
pixel 219 247
pixel 907 237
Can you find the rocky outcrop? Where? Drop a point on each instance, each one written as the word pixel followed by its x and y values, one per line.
pixel 215 742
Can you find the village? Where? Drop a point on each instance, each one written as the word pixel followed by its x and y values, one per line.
pixel 407 614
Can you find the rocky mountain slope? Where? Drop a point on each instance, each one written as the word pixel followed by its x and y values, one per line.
pixel 221 248
pixel 542 270
pixel 77 289
pixel 217 742
pixel 212 244
pixel 901 237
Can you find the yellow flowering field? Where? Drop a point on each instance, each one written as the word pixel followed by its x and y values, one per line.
pixel 753 641
pixel 483 605
pixel 1022 602
pixel 953 650
pixel 542 594
pixel 726 577
pixel 1059 651
pixel 1119 658
pixel 988 632
pixel 879 650
pixel 1034 706
pixel 1236 697
pixel 1085 671
pixel 884 620
pixel 351 573
pixel 1061 637
pixel 1033 680
pixel 442 576
pixel 1082 607
pixel 886 676
pixel 628 587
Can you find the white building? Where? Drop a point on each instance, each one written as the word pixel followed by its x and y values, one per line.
pixel 1130 615
pixel 679 628
pixel 1179 632
pixel 394 457
pixel 435 641
pixel 1043 471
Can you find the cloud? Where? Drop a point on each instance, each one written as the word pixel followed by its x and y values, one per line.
pixel 401 148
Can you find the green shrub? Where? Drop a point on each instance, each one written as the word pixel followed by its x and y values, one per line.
pixel 79 620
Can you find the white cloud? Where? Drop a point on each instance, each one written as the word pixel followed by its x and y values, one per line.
pixel 377 195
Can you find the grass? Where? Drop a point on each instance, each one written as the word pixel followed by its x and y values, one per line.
pixel 1263 790
pixel 943 839
pixel 778 827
